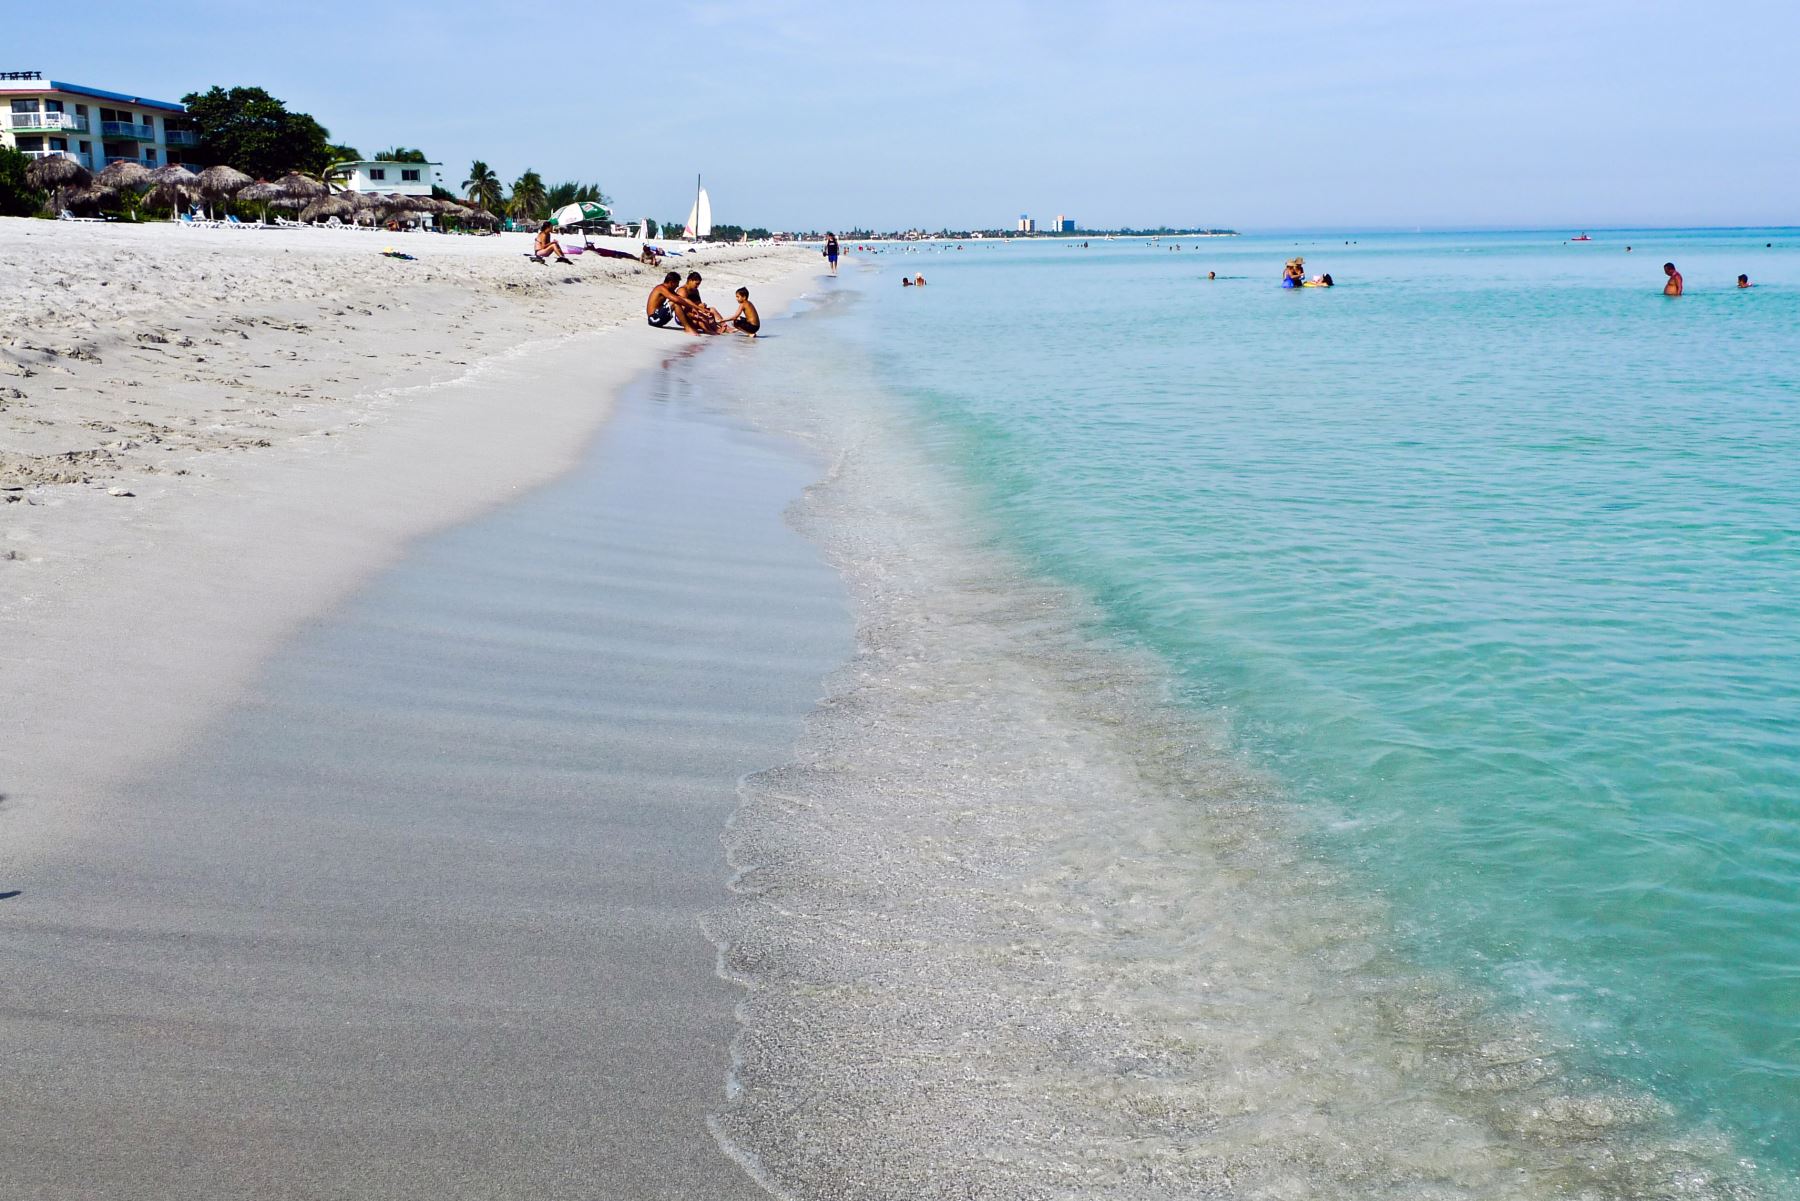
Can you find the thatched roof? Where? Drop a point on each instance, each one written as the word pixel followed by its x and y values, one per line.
pixel 404 204
pixel 260 193
pixel 167 196
pixel 125 173
pixel 327 206
pixel 296 184
pixel 475 216
pixel 174 175
pixel 223 181
pixel 84 197
pixel 57 171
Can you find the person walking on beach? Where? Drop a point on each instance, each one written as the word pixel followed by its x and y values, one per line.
pixel 1673 287
pixel 831 251
pixel 667 304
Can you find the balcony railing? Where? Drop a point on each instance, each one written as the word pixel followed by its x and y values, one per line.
pixel 181 137
pixel 127 129
pixel 50 154
pixel 46 121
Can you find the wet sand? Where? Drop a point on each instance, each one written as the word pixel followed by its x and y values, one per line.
pixel 419 916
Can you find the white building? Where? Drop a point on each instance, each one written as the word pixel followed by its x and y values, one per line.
pixel 42 117
pixel 408 179
pixel 1027 225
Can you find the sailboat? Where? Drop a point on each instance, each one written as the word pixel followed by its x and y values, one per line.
pixel 699 222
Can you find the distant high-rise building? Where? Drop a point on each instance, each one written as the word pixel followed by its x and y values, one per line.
pixel 1026 224
pixel 1064 225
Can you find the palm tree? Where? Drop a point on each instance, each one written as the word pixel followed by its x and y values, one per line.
pixel 573 192
pixel 483 187
pixel 529 198
pixel 401 154
pixel 335 176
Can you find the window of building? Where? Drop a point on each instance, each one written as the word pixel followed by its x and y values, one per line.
pixel 87 148
pixel 53 106
pixel 59 143
pixel 409 176
pixel 33 143
pixel 81 110
pixel 377 172
pixel 149 154
pixel 25 106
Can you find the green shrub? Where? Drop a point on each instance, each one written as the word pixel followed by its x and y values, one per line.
pixel 17 197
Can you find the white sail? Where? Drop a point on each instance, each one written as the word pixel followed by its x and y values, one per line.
pixel 699 222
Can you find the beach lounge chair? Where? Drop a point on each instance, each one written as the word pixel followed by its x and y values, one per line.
pixel 289 223
pixel 66 215
pixel 231 222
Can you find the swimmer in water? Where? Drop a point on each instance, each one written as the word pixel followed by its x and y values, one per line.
pixel 1744 282
pixel 1673 287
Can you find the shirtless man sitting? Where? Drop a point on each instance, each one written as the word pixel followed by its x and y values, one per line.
pixel 1673 287
pixel 666 304
pixel 707 320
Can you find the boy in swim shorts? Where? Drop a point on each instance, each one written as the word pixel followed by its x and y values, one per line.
pixel 746 320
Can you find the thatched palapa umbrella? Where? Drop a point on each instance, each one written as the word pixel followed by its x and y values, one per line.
pixel 367 208
pixel 172 185
pixel 125 173
pixel 261 193
pixel 221 181
pixel 56 172
pixel 84 198
pixel 327 206
pixel 175 175
pixel 302 187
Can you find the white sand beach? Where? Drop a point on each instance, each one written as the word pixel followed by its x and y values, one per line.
pixel 285 409
pixel 252 946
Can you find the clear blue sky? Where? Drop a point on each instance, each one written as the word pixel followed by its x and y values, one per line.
pixel 1256 114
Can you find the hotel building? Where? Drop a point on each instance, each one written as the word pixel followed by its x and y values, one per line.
pixel 42 117
pixel 408 179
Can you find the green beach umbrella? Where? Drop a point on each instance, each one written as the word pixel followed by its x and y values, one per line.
pixel 580 213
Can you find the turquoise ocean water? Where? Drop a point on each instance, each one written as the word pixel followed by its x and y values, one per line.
pixel 1489 556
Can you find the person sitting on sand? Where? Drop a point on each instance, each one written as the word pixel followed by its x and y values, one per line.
pixel 1294 274
pixel 547 246
pixel 666 304
pixel 1673 287
pixel 1744 282
pixel 746 320
pixel 707 319
pixel 651 256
